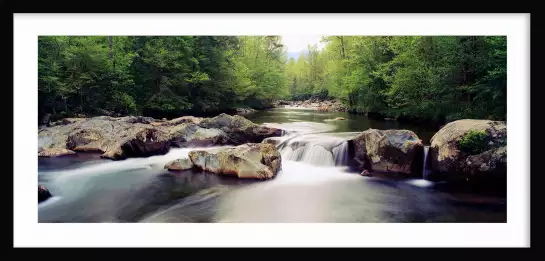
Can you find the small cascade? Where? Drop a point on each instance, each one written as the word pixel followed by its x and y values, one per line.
pixel 315 149
pixel 340 153
pixel 425 166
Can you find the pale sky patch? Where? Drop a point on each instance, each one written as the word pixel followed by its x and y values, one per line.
pixel 298 43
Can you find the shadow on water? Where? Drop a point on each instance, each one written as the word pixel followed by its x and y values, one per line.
pixel 69 162
pixel 126 196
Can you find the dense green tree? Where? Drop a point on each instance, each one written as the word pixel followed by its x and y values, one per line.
pixel 158 76
pixel 416 77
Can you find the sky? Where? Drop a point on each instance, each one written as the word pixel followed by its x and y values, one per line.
pixel 298 43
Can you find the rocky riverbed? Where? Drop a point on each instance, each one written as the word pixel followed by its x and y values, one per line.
pixel 269 161
pixel 314 104
pixel 252 151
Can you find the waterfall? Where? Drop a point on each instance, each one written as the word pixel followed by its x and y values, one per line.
pixel 341 154
pixel 424 167
pixel 315 149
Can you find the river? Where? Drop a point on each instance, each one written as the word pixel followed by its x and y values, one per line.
pixel 312 186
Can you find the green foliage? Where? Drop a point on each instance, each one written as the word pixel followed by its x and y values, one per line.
pixel 427 77
pixel 474 142
pixel 158 76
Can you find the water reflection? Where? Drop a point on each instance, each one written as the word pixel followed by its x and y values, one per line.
pixel 352 122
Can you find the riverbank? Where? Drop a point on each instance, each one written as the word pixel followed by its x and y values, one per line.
pixel 49 119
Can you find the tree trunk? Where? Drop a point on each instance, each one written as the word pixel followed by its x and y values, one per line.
pixel 65 105
pixel 342 47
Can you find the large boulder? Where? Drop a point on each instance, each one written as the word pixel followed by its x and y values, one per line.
pixel 55 152
pixel 252 160
pixel 398 151
pixel 469 148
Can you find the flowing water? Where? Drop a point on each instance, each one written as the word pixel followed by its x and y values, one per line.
pixel 425 163
pixel 314 184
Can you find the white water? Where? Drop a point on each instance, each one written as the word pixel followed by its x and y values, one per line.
pixel 341 154
pixel 315 149
pixel 127 164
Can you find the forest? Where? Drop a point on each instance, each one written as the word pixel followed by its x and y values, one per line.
pixel 437 78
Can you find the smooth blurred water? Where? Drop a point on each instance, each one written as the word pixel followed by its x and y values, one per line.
pixel 310 187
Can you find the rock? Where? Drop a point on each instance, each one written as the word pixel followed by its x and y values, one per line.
pixel 43 193
pixel 147 142
pixel 252 160
pixel 388 151
pixel 323 106
pixel 189 134
pixel 272 140
pixel 118 138
pixel 185 119
pixel 365 173
pixel 66 121
pixel 115 153
pixel 448 156
pixel 164 119
pixel 245 110
pixel 490 162
pixel 45 119
pixel 252 134
pixel 339 119
pixel 239 129
pixel 55 152
pixel 180 164
pixel 226 122
pixel 158 123
pixel 85 141
pixel 139 119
